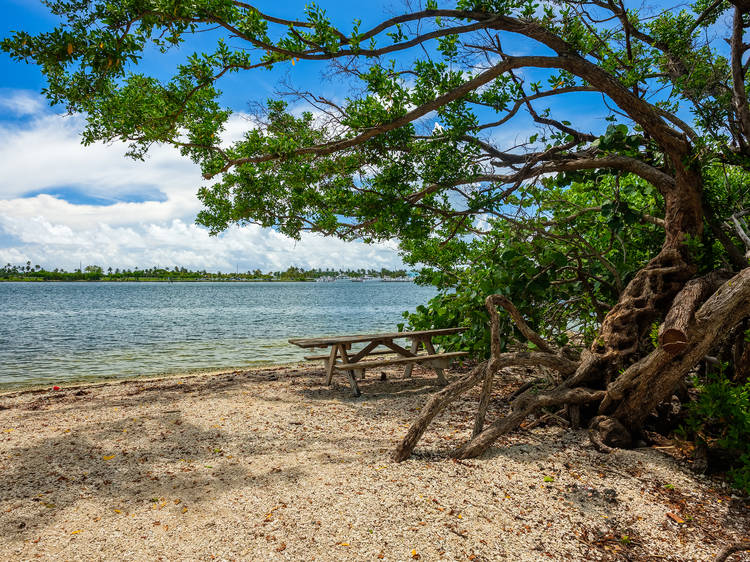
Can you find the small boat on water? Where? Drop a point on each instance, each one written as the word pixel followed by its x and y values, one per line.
pixel 404 279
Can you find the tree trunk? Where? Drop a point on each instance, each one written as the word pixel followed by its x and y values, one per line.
pixel 741 354
pixel 646 300
pixel 673 332
pixel 654 378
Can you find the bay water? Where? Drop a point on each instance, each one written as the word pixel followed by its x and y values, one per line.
pixel 53 333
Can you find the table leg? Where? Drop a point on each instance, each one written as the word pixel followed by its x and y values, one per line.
pixel 364 352
pixel 414 348
pixel 439 370
pixel 331 363
pixel 351 373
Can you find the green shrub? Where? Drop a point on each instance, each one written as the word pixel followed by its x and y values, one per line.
pixel 721 416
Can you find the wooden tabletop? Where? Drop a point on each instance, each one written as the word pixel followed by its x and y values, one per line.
pixel 333 340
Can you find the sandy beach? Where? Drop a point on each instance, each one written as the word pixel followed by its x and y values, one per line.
pixel 270 464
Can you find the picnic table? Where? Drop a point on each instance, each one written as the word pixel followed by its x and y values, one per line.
pixel 342 358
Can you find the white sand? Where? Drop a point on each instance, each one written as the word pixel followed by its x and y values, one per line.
pixel 271 464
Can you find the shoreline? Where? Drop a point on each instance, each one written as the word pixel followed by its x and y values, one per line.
pixel 97 381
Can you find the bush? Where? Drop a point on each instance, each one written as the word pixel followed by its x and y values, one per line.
pixel 721 417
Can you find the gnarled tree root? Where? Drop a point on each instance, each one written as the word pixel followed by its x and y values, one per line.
pixel 440 400
pixel 626 402
pixel 608 434
pixel 524 406
pixel 436 404
pixel 634 394
pixel 732 549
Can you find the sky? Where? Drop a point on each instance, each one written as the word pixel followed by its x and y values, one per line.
pixel 63 204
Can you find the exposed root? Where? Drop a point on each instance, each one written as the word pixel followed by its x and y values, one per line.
pixel 486 372
pixel 546 418
pixel 627 400
pixel 524 406
pixel 608 434
pixel 434 406
pixel 484 401
pixel 653 379
pixel 732 549
pixel 492 303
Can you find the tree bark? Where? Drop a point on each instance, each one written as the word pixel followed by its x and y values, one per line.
pixel 673 331
pixel 653 379
pixel 732 549
pixel 741 355
pixel 440 400
pixel 649 295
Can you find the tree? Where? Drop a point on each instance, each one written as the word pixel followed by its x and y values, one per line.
pixel 411 155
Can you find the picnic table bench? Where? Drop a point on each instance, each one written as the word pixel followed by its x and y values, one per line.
pixel 342 358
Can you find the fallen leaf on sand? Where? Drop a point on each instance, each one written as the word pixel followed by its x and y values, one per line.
pixel 675 518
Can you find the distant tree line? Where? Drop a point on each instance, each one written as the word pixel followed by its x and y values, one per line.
pixel 29 272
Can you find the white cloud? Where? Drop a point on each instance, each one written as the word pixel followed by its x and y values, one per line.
pixel 43 154
pixel 180 243
pixel 46 153
pixel 21 102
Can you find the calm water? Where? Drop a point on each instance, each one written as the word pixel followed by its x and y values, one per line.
pixel 56 332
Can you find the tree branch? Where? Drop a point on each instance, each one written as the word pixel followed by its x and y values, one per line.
pixel 739 95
